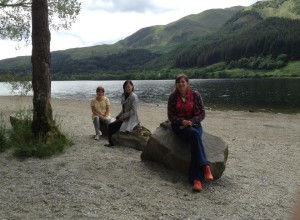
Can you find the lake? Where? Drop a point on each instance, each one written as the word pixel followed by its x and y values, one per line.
pixel 268 94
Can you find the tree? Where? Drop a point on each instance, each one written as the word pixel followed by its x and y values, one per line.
pixel 15 19
pixel 40 59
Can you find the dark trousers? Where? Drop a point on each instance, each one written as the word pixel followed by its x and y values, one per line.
pixel 198 157
pixel 113 128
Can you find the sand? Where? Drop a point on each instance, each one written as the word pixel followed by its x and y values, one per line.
pixel 91 181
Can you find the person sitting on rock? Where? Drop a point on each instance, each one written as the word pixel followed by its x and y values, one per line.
pixel 127 119
pixel 185 112
pixel 100 110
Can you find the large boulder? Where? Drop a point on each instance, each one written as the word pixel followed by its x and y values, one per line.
pixel 136 139
pixel 166 148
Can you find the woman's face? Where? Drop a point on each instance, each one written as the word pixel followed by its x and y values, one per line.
pixel 128 88
pixel 182 85
pixel 100 93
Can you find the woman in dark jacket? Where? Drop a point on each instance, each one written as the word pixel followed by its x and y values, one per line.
pixel 186 111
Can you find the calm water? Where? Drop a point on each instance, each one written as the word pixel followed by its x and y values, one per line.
pixel 274 94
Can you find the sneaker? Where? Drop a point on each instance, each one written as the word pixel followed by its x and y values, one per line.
pixel 197 187
pixel 96 137
pixel 100 133
pixel 207 173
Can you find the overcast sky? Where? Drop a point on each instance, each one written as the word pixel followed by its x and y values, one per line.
pixel 108 21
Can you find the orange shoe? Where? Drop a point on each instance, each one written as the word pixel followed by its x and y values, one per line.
pixel 207 173
pixel 197 187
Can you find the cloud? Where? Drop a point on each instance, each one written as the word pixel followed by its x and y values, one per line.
pixel 114 6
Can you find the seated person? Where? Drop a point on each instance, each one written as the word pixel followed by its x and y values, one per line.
pixel 186 112
pixel 100 110
pixel 127 119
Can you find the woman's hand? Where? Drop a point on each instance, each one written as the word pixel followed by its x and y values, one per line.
pixel 101 118
pixel 186 123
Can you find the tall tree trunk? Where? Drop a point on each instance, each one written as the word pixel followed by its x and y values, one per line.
pixel 40 59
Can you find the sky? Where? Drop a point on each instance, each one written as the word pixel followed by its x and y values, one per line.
pixel 108 21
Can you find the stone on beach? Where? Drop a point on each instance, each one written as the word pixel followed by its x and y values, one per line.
pixel 136 139
pixel 166 148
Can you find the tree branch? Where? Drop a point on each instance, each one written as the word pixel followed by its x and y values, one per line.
pixel 22 3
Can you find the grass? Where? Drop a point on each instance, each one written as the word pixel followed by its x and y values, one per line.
pixel 3 134
pixel 25 144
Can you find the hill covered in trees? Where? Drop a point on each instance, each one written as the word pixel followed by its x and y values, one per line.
pixel 262 37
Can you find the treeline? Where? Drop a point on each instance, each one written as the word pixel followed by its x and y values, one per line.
pixel 130 60
pixel 272 37
pixel 260 63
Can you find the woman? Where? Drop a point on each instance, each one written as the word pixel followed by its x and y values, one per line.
pixel 100 110
pixel 186 111
pixel 127 119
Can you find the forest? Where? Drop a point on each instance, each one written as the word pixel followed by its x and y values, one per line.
pixel 268 45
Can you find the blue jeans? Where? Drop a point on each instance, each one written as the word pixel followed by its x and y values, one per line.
pixel 96 123
pixel 198 157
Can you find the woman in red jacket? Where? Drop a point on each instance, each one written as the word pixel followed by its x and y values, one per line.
pixel 186 111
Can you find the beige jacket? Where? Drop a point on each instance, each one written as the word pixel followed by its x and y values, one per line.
pixel 130 115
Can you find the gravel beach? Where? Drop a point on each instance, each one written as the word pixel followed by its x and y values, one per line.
pixel 91 181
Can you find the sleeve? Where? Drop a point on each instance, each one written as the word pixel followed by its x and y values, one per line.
pixel 107 101
pixel 92 102
pixel 199 111
pixel 133 109
pixel 172 115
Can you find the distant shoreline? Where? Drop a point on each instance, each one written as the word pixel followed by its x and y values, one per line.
pixel 208 106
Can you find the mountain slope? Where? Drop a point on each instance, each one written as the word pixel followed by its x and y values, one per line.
pixel 162 37
pixel 151 42
pixel 277 8
pixel 267 28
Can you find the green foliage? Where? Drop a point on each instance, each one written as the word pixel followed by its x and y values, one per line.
pixel 129 60
pixel 261 63
pixel 274 36
pixel 19 84
pixel 15 17
pixel 26 144
pixel 3 134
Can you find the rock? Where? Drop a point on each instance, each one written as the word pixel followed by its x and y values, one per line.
pixel 137 139
pixel 165 147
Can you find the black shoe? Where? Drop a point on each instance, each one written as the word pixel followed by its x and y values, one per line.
pixel 108 145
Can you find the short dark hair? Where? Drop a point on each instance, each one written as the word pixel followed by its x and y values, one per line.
pixel 128 82
pixel 100 89
pixel 182 75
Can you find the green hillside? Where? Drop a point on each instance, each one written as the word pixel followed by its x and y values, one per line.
pixel 150 44
pixel 163 38
pixel 260 38
pixel 280 8
pixel 251 33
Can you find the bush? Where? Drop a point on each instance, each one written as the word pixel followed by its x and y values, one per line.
pixel 3 134
pixel 26 144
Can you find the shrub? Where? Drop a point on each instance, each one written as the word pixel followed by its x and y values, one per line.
pixel 26 144
pixel 3 134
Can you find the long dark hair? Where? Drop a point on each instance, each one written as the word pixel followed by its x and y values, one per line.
pixel 128 82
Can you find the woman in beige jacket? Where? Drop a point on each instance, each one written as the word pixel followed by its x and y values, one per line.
pixel 127 119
